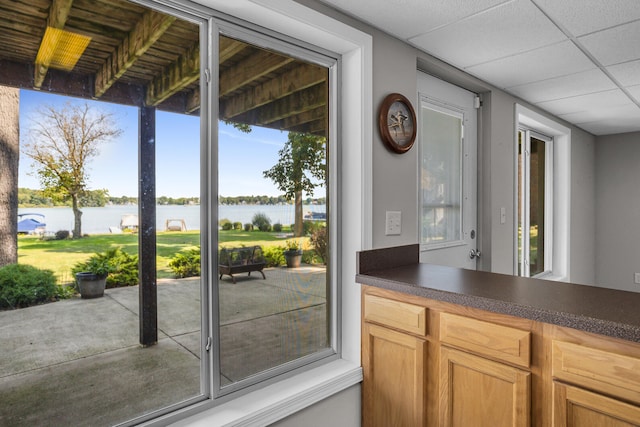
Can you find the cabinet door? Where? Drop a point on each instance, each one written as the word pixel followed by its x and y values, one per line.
pixel 394 378
pixel 576 407
pixel 482 393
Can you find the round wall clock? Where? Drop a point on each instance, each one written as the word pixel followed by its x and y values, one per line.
pixel 397 123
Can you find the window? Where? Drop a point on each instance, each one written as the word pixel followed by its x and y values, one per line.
pixel 535 203
pixel 272 306
pixel 542 196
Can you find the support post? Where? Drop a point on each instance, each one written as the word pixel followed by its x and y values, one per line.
pixel 148 296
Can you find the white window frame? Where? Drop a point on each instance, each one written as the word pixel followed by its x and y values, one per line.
pixel 525 200
pixel 559 233
pixel 278 398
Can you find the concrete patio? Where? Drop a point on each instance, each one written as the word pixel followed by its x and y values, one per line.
pixel 78 362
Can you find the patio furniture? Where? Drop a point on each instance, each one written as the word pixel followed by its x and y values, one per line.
pixel 241 260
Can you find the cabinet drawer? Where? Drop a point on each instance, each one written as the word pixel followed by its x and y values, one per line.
pixel 396 314
pixel 487 339
pixel 604 371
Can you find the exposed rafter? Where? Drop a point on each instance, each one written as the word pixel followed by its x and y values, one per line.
pixel 58 15
pixel 250 69
pixel 296 79
pixel 181 73
pixel 145 33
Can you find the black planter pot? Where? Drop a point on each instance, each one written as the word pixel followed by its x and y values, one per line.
pixel 91 285
pixel 293 258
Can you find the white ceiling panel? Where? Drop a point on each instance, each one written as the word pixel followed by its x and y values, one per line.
pixel 593 80
pixel 615 45
pixel 599 113
pixel 576 104
pixel 400 14
pixel 635 92
pixel 572 58
pixel 505 30
pixel 581 17
pixel 533 66
pixel 628 73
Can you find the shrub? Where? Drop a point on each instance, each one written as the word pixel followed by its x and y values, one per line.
pixel 62 234
pixel 261 221
pixel 123 268
pixel 186 263
pixel 309 227
pixel 225 224
pixel 319 240
pixel 248 227
pixel 274 256
pixel 24 285
pixel 277 227
pixel 237 225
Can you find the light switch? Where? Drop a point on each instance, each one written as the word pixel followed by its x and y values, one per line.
pixel 393 223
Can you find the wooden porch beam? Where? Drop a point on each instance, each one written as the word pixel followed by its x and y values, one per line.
pixel 58 15
pixel 181 73
pixel 250 69
pixel 294 104
pixel 296 79
pixel 145 33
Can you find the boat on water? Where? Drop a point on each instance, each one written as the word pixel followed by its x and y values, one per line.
pixel 315 216
pixel 31 223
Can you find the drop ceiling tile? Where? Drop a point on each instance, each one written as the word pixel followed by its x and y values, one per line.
pixel 511 28
pixel 635 92
pixel 615 45
pixel 596 113
pixel 628 73
pixel 576 104
pixel 534 65
pixel 613 126
pixel 408 18
pixel 582 83
pixel 581 17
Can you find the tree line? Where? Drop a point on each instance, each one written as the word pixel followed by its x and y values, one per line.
pixel 30 198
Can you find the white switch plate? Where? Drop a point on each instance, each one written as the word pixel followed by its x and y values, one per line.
pixel 393 223
pixel 636 278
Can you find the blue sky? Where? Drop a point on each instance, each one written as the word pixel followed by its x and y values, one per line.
pixel 242 157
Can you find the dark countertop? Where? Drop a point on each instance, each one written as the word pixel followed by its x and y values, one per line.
pixel 602 311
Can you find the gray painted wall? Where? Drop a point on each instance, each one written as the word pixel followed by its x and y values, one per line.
pixel 340 410
pixel 617 243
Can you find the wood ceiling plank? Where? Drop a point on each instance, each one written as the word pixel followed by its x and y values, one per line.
pixel 145 33
pixel 58 15
pixel 184 71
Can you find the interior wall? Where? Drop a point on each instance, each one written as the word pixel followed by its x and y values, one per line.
pixel 342 409
pixel 395 183
pixel 617 234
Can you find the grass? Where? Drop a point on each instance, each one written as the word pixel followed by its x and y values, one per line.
pixel 60 255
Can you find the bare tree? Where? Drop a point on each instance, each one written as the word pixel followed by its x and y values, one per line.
pixel 62 141
pixel 9 161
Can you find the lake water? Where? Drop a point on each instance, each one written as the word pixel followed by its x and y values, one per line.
pixel 98 220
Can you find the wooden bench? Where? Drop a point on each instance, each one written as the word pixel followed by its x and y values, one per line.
pixel 241 260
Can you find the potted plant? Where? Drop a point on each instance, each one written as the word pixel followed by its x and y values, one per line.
pixel 93 279
pixel 292 253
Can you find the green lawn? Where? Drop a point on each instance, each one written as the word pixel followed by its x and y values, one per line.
pixel 60 255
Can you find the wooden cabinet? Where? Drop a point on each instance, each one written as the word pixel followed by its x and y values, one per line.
pixel 435 364
pixel 576 407
pixel 475 391
pixel 613 377
pixel 394 378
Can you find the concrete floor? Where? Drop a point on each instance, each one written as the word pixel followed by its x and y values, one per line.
pixel 78 362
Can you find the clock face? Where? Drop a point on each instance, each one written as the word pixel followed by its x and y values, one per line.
pixel 397 123
pixel 400 123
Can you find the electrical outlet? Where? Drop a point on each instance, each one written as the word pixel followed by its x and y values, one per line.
pixel 636 278
pixel 393 223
